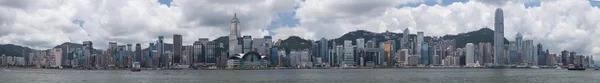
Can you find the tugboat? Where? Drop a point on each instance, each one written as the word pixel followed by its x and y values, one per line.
pixel 576 67
pixel 136 67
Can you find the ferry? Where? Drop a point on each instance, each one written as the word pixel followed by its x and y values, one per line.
pixel 136 67
pixel 534 67
pixel 576 67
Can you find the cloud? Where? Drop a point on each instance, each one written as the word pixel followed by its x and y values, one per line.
pixel 557 24
pixel 42 24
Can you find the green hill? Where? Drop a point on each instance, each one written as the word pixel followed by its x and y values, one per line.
pixel 481 35
pixel 14 50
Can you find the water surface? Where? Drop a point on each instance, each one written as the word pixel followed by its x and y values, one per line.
pixel 302 76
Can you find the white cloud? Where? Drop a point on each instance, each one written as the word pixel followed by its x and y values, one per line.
pixel 558 24
pixel 42 24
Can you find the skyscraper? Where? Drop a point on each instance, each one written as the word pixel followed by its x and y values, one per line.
pixel 160 51
pixel 176 48
pixel 234 34
pixel 425 57
pixel 348 53
pixel 149 59
pixel 419 42
pixel 138 52
pixel 499 37
pixel 323 51
pixel 542 56
pixel 405 38
pixel 470 52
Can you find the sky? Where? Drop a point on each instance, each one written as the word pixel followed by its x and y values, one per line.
pixel 41 24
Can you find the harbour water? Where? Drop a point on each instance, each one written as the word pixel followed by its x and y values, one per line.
pixel 302 76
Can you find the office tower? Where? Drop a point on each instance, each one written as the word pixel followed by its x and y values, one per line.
pixel 572 57
pixel 196 56
pixel 210 58
pixel 348 53
pixel 246 44
pixel 121 55
pixel 138 52
pixel 405 39
pixel 339 49
pixel 177 43
pixel 403 57
pixel 187 55
pixel 564 58
pixel 514 54
pixel 258 45
pixel 234 34
pixel 112 50
pixel 149 59
pixel 323 51
pixel 425 57
pixel 204 50
pixel 360 43
pixel 274 58
pixel 161 51
pixel 88 50
pixel 268 46
pixel 470 52
pixel 65 54
pixel 129 55
pixel 499 37
pixel 527 52
pixel 419 42
pixel 55 58
pixel 387 52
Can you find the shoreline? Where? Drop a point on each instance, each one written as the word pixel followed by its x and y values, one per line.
pixel 23 68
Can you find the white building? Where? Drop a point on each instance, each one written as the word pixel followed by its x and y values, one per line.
pixel 56 58
pixel 470 55
pixel 360 43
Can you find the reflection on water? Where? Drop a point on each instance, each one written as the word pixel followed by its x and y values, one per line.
pixel 303 76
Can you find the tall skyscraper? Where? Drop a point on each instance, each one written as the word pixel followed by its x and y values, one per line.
pixel 470 52
pixel 405 38
pixel 499 37
pixel 149 59
pixel 203 49
pixel 348 53
pixel 161 51
pixel 138 52
pixel 196 55
pixel 177 48
pixel 234 34
pixel 542 56
pixel 425 57
pixel 323 51
pixel 564 58
pixel 419 42
pixel 112 50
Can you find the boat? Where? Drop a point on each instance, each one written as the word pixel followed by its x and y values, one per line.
pixel 558 67
pixel 534 67
pixel 136 67
pixel 576 67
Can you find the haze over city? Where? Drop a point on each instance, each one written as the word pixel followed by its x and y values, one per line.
pixel 42 24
